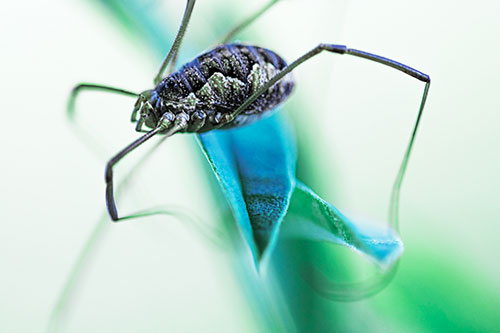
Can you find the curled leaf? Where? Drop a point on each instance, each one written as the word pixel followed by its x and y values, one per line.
pixel 313 218
pixel 255 166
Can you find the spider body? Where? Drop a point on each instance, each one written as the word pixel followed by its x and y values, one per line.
pixel 210 87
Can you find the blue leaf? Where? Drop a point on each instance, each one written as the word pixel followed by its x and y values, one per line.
pixel 255 166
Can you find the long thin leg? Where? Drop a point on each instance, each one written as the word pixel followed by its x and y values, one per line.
pixel 341 49
pixel 95 145
pixel 366 288
pixel 172 53
pixel 396 187
pixel 179 124
pixel 70 109
pixel 110 200
pixel 234 31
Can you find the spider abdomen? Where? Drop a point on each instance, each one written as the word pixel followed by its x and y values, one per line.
pixel 217 82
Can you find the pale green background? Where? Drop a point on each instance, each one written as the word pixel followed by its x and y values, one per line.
pixel 160 273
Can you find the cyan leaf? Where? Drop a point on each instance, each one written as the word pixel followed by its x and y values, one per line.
pixel 255 166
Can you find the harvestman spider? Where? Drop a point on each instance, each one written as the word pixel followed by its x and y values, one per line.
pixel 229 86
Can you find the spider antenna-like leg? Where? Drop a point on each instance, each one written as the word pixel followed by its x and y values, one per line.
pixel 180 123
pixel 172 53
pixel 70 108
pixel 342 49
pixel 81 131
pixel 365 288
pixel 171 58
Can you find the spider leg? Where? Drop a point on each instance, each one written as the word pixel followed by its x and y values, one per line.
pixel 180 123
pixel 81 131
pixel 70 108
pixel 341 49
pixel 174 50
pixel 230 34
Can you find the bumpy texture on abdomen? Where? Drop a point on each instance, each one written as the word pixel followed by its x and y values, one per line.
pixel 222 79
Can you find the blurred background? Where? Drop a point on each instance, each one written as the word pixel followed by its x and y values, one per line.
pixel 353 119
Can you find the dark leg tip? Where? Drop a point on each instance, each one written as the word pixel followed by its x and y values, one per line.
pixel 110 203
